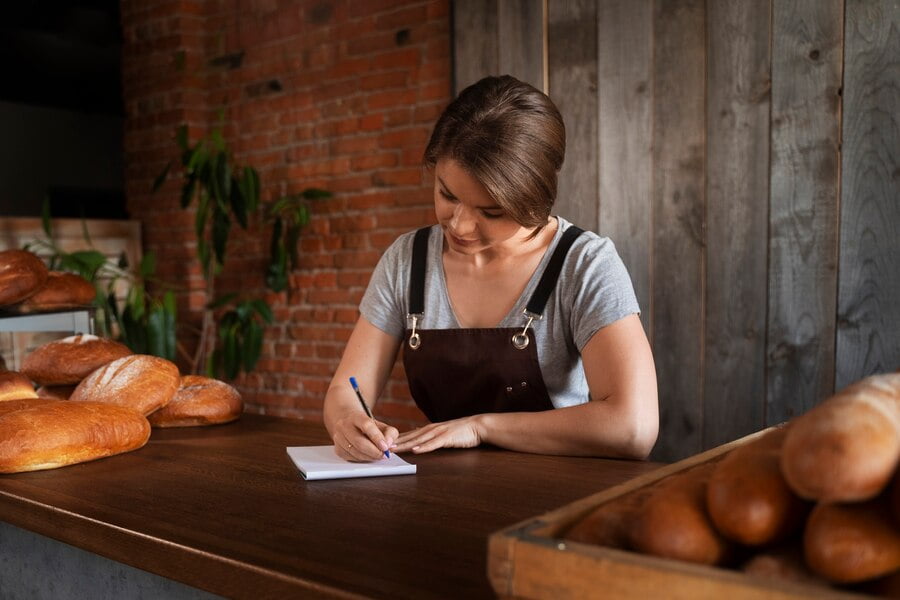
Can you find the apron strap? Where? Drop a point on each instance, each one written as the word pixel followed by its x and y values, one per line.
pixel 417 272
pixel 538 300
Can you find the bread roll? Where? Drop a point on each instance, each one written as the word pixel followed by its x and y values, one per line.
pixel 21 274
pixel 747 497
pixel 610 523
pixel 57 434
pixel 69 360
pixel 673 522
pixel 56 392
pixel 782 563
pixel 199 401
pixel 60 291
pixel 13 405
pixel 14 386
pixel 846 449
pixel 140 381
pixel 847 543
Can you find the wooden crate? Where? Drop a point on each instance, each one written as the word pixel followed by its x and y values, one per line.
pixel 531 560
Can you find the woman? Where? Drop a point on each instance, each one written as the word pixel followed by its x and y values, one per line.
pixel 517 328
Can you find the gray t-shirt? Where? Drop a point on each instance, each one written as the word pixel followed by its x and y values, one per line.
pixel 593 290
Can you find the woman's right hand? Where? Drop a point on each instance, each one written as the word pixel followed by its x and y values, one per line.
pixel 358 438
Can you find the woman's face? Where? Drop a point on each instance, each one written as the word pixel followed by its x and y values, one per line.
pixel 471 219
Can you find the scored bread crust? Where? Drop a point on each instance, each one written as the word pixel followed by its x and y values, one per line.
pixel 57 434
pixel 71 359
pixel 15 385
pixel 199 401
pixel 140 381
pixel 60 291
pixel 22 273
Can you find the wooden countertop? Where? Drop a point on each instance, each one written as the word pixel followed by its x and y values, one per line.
pixel 224 509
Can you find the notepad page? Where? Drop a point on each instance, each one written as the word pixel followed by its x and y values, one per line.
pixel 320 462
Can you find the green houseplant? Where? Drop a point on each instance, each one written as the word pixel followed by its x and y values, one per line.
pixel 224 193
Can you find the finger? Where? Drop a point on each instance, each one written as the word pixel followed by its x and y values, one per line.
pixel 390 434
pixel 422 436
pixel 371 443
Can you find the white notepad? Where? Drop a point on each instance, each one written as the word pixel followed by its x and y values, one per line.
pixel 320 462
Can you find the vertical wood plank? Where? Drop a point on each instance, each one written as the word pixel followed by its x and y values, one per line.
pixel 737 214
pixel 625 92
pixel 678 176
pixel 572 56
pixel 520 33
pixel 868 337
pixel 806 111
pixel 475 46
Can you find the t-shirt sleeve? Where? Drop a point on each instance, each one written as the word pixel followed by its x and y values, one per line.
pixel 383 305
pixel 603 291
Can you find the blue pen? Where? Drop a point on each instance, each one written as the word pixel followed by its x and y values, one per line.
pixel 365 406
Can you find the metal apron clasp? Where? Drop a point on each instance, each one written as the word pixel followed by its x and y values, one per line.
pixel 520 340
pixel 414 339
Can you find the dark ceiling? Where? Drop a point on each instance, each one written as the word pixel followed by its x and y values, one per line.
pixel 63 54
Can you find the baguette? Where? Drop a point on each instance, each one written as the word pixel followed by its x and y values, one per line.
pixel 56 392
pixel 610 523
pixel 199 401
pixel 57 434
pixel 140 381
pixel 846 449
pixel 849 543
pixel 22 273
pixel 673 522
pixel 71 359
pixel 748 499
pixel 14 385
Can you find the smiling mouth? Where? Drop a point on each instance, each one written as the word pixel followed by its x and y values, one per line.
pixel 461 241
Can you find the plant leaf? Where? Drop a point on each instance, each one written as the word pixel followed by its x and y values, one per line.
pixel 222 301
pixel 238 205
pixel 252 346
pixel 181 136
pixel 221 226
pixel 161 178
pixel 315 193
pixel 263 310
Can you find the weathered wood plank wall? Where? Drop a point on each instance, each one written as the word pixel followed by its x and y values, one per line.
pixel 745 159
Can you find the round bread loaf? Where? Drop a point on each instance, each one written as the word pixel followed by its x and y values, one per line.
pixel 56 392
pixel 57 434
pixel 14 386
pixel 69 360
pixel 848 543
pixel 13 405
pixel 199 401
pixel 610 523
pixel 21 274
pixel 846 448
pixel 60 291
pixel 140 381
pixel 748 499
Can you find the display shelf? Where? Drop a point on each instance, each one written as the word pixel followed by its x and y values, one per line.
pixel 78 321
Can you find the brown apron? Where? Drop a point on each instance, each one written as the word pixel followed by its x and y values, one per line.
pixel 455 373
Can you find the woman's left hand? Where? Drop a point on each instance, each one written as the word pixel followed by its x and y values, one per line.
pixel 458 433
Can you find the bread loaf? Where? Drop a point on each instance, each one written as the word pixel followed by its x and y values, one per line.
pixel 747 497
pixel 60 291
pixel 21 274
pixel 69 360
pixel 847 543
pixel 140 381
pixel 13 405
pixel 56 392
pixel 673 522
pixel 846 449
pixel 57 434
pixel 781 563
pixel 199 401
pixel 14 386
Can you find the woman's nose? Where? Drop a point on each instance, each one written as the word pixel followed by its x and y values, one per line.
pixel 463 219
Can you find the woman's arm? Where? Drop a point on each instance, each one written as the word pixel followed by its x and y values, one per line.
pixel 622 418
pixel 369 356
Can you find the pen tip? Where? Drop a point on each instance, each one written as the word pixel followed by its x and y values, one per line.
pixel 353 382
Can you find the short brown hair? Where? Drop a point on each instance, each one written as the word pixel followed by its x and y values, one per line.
pixel 511 138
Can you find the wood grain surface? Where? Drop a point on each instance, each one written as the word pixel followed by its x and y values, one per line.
pixel 223 509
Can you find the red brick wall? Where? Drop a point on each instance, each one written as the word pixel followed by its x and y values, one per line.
pixel 336 94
